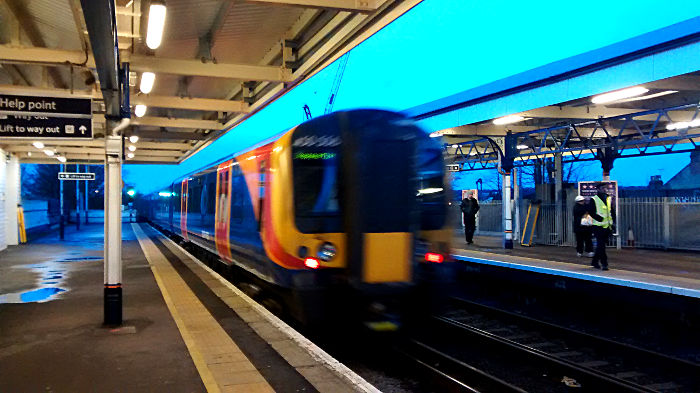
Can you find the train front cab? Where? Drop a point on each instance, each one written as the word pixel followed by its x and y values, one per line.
pixel 367 208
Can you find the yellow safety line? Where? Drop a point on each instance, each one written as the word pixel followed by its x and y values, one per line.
pixel 204 371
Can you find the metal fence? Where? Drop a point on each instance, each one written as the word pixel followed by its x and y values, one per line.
pixel 643 222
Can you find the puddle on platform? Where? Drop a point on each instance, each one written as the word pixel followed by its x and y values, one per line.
pixel 48 285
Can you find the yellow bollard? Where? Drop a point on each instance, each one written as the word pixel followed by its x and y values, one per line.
pixel 20 221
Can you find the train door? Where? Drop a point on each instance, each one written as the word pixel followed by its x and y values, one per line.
pixel 184 196
pixel 381 213
pixel 222 216
pixel 261 193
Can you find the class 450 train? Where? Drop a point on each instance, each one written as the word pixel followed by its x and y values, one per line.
pixel 344 215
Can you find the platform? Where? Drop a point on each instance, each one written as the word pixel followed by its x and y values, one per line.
pixel 185 328
pixel 671 272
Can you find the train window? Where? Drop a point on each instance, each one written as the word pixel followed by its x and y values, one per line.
pixel 237 191
pixel 315 163
pixel 431 191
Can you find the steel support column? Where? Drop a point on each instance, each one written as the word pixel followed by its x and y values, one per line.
pixel 558 197
pixel 61 223
pixel 113 232
pixel 517 185
pixel 506 167
pixel 101 21
pixel 607 157
pixel 77 199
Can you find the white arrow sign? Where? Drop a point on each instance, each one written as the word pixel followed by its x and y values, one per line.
pixel 82 129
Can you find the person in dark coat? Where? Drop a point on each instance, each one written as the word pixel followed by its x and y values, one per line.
pixel 469 207
pixel 584 233
pixel 603 213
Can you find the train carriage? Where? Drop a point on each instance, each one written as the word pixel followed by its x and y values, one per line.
pixel 350 203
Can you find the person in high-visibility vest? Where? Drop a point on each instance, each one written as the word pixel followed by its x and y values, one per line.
pixel 603 214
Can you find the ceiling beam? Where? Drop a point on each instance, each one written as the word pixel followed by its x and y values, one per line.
pixel 201 104
pixel 580 112
pixel 94 150
pixel 680 83
pixel 176 123
pixel 23 54
pixel 350 5
pixel 28 24
pixel 214 70
pixel 170 135
pixel 300 25
pixel 48 92
pixel 28 54
pixel 77 11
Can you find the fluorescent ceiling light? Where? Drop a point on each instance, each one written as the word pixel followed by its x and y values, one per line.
pixel 49 153
pixel 130 155
pixel 508 120
pixel 156 22
pixel 62 159
pixel 648 96
pixel 683 124
pixel 425 191
pixel 435 134
pixel 455 146
pixel 147 81
pixel 619 95
pixel 134 138
pixel 140 110
pixel 132 148
pixel 521 147
pixel 38 145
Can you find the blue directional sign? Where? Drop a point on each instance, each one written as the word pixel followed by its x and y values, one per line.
pixel 76 176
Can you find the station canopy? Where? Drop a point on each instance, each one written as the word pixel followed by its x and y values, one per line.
pixel 658 117
pixel 219 62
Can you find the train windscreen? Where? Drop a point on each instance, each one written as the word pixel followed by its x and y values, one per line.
pixel 315 164
pixel 431 186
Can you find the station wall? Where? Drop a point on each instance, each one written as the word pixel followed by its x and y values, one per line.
pixel 9 198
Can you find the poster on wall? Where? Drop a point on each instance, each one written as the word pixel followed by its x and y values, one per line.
pixel 588 189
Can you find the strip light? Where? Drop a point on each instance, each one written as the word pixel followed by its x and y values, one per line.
pixel 140 110
pixel 147 81
pixel 683 124
pixel 508 120
pixel 619 95
pixel 649 96
pixel 38 145
pixel 156 23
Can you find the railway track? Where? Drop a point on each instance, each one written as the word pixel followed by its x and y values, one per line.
pixel 536 355
pixel 449 374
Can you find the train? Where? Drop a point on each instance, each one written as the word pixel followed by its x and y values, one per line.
pixel 344 214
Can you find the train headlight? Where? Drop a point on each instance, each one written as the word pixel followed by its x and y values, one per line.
pixel 326 252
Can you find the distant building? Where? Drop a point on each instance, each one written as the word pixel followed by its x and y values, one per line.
pixel 688 178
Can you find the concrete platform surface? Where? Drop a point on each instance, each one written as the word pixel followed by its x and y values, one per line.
pixel 56 343
pixel 662 271
pixel 186 329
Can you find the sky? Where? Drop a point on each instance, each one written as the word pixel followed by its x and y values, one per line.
pixel 440 48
